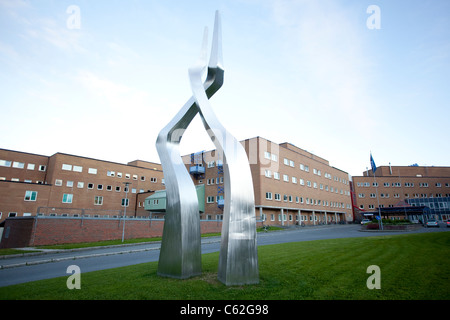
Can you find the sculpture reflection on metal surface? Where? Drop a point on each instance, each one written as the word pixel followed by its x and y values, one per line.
pixel 180 254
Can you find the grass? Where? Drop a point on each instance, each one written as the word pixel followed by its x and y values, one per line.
pixel 413 267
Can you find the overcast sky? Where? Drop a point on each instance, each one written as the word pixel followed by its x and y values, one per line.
pixel 339 78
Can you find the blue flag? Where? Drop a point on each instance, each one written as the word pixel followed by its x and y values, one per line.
pixel 372 164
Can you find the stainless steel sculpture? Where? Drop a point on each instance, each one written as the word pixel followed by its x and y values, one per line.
pixel 180 255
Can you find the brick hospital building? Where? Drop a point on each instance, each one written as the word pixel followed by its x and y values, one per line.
pixel 292 186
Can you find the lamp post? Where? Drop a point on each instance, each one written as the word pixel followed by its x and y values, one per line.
pixel 125 209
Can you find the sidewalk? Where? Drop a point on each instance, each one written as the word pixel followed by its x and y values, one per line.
pixel 57 255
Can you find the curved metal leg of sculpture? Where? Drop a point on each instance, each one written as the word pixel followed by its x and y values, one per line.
pixel 180 255
pixel 238 261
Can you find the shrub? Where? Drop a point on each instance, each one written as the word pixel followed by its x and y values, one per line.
pixel 372 226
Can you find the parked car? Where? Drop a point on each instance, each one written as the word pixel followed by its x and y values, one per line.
pixel 364 221
pixel 432 223
pixel 448 223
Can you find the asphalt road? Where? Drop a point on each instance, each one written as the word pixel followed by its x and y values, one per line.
pixel 51 264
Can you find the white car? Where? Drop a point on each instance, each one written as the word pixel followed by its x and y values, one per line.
pixel 364 221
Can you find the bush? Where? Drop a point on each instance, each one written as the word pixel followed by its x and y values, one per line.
pixel 372 226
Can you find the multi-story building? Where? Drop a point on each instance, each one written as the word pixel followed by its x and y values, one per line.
pixel 404 186
pixel 68 185
pixel 292 186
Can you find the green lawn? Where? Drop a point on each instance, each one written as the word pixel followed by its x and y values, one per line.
pixel 413 266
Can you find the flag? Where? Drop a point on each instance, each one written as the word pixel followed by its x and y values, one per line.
pixel 372 164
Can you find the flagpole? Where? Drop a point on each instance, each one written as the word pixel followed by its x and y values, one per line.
pixel 374 168
pixel 380 222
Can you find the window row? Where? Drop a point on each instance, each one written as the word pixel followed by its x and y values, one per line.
pixel 302 167
pixel 21 165
pixel 98 200
pixel 308 183
pixel 218 180
pixel 431 205
pixel 18 180
pixel 80 185
pixel 398 184
pixel 311 201
pixel 109 173
pixel 407 195
pixel 312 217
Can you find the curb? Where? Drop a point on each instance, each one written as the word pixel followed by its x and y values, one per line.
pixel 30 263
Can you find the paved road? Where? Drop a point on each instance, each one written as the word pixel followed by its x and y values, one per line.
pixel 54 264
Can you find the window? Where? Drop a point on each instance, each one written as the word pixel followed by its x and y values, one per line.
pixel 30 195
pixel 67 198
pixel 67 167
pixel 294 180
pixel 274 157
pixel 286 177
pixel 99 187
pixel 110 173
pixel 277 197
pixel 69 184
pixel 42 168
pixel 276 175
pixel 77 169
pixel 30 166
pixel 108 188
pixel 286 161
pixel 302 182
pixel 291 163
pixel 127 176
pixel 58 182
pixel 92 171
pixel 154 180
pixel 210 199
pixel 268 173
pixel 90 186
pixel 98 200
pixel 5 163
pixel 135 177
pixel 125 202
pixel 18 165
pixel 268 195
pixel 267 155
pixel 117 189
pixel 211 164
pixel 80 185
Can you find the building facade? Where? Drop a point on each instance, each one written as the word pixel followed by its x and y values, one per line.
pixel 291 186
pixel 68 185
pixel 397 186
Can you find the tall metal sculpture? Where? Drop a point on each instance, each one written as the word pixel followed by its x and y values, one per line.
pixel 180 254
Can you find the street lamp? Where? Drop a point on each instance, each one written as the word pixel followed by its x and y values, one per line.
pixel 125 209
